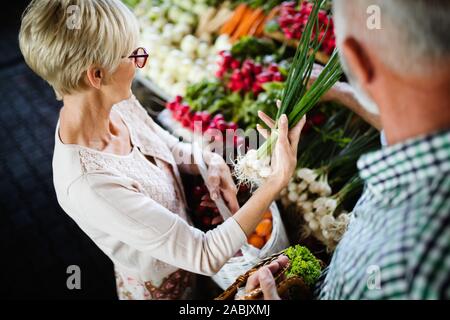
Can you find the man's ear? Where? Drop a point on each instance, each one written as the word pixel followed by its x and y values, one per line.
pixel 95 76
pixel 358 60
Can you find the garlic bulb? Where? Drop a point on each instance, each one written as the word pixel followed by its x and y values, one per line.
pixel 310 195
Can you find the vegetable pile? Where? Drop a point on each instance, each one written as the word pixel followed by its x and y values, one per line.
pixel 249 76
pixel 244 84
pixel 219 63
pixel 179 36
pixel 293 20
pixel 263 231
pixel 205 218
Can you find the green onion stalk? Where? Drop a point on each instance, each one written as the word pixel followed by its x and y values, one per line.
pixel 297 98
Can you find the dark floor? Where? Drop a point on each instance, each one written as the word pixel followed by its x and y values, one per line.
pixel 37 239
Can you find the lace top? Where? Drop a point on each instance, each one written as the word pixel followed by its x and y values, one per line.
pixel 134 210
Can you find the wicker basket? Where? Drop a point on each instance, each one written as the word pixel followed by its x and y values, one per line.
pixel 250 255
pixel 283 286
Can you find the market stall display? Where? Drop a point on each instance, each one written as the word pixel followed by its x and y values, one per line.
pixel 217 64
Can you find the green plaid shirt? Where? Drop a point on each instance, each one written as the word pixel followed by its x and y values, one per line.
pixel 397 245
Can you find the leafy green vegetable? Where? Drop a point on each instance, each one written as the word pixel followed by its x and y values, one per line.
pixel 251 47
pixel 205 95
pixel 303 264
pixel 212 96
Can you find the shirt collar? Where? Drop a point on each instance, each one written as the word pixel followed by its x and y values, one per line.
pixel 415 159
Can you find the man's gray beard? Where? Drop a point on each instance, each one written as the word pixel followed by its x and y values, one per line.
pixel 362 97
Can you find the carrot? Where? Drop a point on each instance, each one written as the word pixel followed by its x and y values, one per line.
pixel 267 215
pixel 256 241
pixel 264 228
pixel 257 25
pixel 231 25
pixel 272 14
pixel 248 20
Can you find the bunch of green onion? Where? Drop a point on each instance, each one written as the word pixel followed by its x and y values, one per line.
pixel 298 96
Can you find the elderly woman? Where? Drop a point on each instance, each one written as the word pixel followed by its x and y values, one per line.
pixel 116 172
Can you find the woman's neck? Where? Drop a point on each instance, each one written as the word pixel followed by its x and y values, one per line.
pixel 85 120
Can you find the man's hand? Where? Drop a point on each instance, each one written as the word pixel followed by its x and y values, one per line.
pixel 220 182
pixel 264 278
pixel 336 92
pixel 344 94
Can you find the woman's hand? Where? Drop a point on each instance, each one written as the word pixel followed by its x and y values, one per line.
pixel 284 156
pixel 220 182
pixel 265 280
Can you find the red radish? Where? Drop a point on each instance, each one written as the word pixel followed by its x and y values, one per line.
pixel 185 109
pixel 220 73
pixel 257 68
pixel 206 117
pixel 278 77
pixel 264 77
pixel 197 116
pixel 171 105
pixel 212 125
pixel 318 119
pixel 292 22
pixel 232 125
pixel 218 117
pixel 235 64
pixel 257 88
pixel 221 125
pixel 177 115
pixel 186 122
pixel 273 68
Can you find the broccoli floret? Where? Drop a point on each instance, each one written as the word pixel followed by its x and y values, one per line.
pixel 303 264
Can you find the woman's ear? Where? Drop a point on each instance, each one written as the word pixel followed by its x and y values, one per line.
pixel 95 76
pixel 358 60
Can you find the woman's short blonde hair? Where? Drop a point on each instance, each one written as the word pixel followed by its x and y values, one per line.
pixel 61 39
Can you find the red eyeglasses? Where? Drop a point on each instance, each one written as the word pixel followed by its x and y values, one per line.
pixel 140 57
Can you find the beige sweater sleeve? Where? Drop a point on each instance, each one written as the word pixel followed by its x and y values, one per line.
pixel 115 206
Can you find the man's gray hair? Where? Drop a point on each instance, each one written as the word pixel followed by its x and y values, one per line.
pixel 414 34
